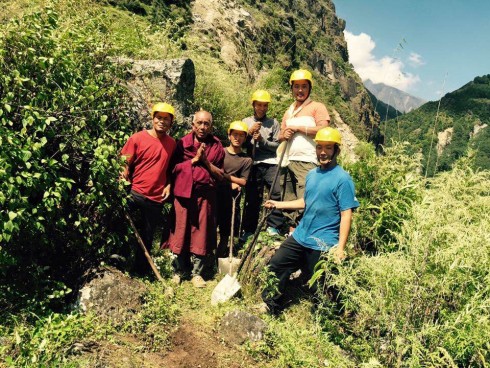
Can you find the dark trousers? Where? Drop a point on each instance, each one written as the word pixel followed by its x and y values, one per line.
pixel 147 214
pixel 261 175
pixel 290 257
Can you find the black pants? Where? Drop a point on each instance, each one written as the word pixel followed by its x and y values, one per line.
pixel 261 175
pixel 290 257
pixel 147 214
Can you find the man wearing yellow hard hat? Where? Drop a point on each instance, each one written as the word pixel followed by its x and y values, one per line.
pixel 329 201
pixel 236 168
pixel 301 121
pixel 263 133
pixel 148 154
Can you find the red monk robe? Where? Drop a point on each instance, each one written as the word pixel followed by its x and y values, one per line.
pixel 194 189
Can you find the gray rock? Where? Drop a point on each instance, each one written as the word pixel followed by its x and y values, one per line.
pixel 111 295
pixel 236 327
pixel 151 81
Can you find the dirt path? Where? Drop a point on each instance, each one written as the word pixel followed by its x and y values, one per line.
pixel 193 343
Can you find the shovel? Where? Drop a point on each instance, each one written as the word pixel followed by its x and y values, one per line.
pixel 143 248
pixel 230 264
pixel 229 285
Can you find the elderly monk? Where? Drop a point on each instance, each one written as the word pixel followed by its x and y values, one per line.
pixel 198 166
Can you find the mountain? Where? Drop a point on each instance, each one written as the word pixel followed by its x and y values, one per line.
pixel 394 97
pixel 384 111
pixel 461 124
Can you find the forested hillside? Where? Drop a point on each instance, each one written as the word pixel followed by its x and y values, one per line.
pixel 413 292
pixel 445 136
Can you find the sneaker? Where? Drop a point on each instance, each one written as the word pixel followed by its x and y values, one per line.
pixel 176 279
pixel 261 308
pixel 198 282
pixel 272 231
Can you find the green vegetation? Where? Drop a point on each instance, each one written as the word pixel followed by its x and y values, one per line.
pixel 425 305
pixel 463 111
pixel 62 119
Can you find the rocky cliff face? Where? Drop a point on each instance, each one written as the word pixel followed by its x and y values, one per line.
pixel 253 36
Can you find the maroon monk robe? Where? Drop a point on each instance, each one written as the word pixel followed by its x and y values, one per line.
pixel 195 197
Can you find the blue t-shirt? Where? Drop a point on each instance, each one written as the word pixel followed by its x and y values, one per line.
pixel 327 193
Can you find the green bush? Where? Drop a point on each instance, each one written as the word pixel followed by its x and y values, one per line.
pixel 63 117
pixel 387 186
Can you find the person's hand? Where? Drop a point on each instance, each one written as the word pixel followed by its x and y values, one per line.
pixel 288 133
pixel 235 186
pixel 257 136
pixel 199 154
pixel 255 128
pixel 271 204
pixel 338 254
pixel 166 192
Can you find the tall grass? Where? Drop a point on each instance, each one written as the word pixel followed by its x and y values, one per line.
pixel 428 303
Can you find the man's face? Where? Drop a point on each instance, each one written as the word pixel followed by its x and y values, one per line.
pixel 162 122
pixel 301 90
pixel 202 124
pixel 325 152
pixel 237 137
pixel 260 108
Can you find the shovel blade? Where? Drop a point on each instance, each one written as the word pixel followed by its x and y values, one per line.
pixel 225 289
pixel 228 266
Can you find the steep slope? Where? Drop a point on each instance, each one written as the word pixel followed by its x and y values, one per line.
pixel 266 40
pixel 462 123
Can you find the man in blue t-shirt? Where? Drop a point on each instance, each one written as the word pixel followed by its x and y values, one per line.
pixel 328 203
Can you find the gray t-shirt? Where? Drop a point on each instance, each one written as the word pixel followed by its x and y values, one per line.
pixel 265 150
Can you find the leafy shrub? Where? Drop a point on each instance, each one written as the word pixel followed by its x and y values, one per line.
pixel 387 186
pixel 63 117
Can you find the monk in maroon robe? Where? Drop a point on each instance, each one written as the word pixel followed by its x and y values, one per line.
pixel 198 166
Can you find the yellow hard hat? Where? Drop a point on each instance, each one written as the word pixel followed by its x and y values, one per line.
pixel 261 96
pixel 328 134
pixel 299 75
pixel 163 107
pixel 238 125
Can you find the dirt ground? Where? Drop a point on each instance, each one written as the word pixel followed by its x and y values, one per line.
pixel 194 342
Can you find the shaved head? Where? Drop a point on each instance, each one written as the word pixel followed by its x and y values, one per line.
pixel 202 124
pixel 203 114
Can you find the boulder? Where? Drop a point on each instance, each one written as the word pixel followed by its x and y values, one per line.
pixel 236 327
pixel 170 81
pixel 111 295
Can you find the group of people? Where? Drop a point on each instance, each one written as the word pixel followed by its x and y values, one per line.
pixel 205 180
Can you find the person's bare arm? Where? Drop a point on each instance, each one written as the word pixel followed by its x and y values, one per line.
pixel 345 226
pixel 297 204
pixel 308 130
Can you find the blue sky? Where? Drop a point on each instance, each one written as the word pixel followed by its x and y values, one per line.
pixel 423 47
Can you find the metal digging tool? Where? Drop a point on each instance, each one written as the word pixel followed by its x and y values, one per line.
pixel 229 285
pixel 143 248
pixel 230 264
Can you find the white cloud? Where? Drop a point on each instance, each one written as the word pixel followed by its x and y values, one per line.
pixel 387 70
pixel 415 59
